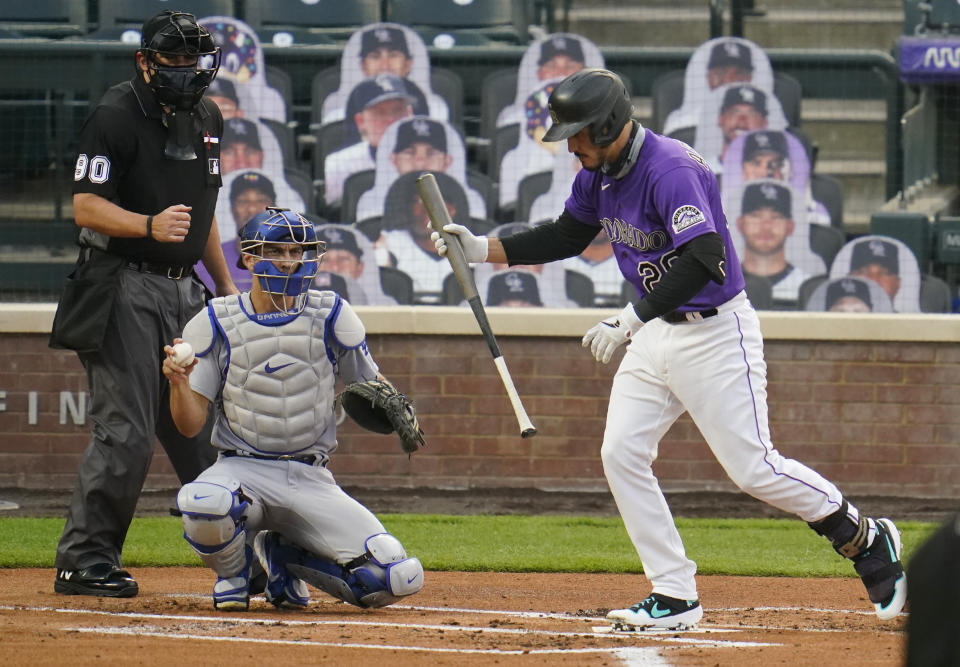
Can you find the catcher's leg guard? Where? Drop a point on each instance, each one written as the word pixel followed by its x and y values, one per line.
pixel 213 524
pixel 282 589
pixel 380 577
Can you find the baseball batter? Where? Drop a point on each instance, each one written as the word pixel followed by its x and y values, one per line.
pixel 693 340
pixel 268 360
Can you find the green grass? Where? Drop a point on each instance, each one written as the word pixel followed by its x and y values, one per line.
pixel 750 547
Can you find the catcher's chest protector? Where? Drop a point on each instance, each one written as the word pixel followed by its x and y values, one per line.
pixel 279 390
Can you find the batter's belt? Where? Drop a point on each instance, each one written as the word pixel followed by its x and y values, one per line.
pixel 676 317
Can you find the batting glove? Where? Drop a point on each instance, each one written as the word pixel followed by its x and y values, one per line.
pixel 474 247
pixel 604 338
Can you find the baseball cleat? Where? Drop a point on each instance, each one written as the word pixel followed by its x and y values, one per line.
pixel 101 580
pixel 283 590
pixel 233 593
pixel 881 571
pixel 659 612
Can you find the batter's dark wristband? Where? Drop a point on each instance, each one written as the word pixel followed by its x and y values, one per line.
pixel 149 226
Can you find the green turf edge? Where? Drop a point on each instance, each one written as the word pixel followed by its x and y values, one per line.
pixel 743 547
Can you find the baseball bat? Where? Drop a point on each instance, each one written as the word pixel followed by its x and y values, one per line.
pixel 440 216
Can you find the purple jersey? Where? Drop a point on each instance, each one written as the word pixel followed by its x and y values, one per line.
pixel 668 198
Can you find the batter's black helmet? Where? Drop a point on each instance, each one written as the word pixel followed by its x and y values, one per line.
pixel 592 97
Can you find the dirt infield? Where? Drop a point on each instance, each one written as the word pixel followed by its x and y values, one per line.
pixel 458 619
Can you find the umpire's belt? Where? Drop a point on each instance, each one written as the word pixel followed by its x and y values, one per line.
pixel 309 459
pixel 676 317
pixel 172 271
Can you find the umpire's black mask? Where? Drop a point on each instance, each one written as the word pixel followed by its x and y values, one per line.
pixel 168 40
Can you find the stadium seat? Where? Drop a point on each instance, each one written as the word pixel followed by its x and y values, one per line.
pixel 828 191
pixel 356 184
pixel 314 22
pixel 759 291
pixel 826 242
pixel 497 19
pixel 942 16
pixel 579 288
pixel 441 38
pixel 807 288
pixel 370 227
pixel 488 190
pixel 503 139
pixel 947 248
pixel 115 16
pixel 666 94
pixel 44 18
pixel 303 184
pixel 397 284
pixel 913 229
pixel 531 187
pixel 452 294
pixel 935 295
pixel 498 90
pixel 327 139
pixel 280 80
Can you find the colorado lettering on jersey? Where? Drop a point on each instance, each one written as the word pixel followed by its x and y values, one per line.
pixel 686 217
pixel 620 232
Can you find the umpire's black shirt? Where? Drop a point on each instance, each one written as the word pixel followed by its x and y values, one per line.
pixel 121 159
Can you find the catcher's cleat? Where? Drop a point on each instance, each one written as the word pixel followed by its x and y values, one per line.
pixel 283 590
pixel 881 571
pixel 233 593
pixel 658 612
pixel 102 580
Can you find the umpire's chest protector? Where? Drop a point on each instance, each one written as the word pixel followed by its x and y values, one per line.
pixel 278 392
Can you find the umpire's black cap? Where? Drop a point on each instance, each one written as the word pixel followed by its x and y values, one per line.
pixel 175 32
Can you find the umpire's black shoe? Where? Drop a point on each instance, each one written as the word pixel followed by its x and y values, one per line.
pixel 102 579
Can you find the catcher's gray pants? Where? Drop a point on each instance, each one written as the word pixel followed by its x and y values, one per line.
pixel 129 408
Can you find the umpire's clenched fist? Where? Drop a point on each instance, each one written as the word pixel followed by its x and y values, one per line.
pixel 171 224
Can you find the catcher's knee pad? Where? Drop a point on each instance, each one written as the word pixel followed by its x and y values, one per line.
pixel 213 524
pixel 379 577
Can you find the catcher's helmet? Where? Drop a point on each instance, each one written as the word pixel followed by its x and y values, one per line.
pixel 280 226
pixel 592 97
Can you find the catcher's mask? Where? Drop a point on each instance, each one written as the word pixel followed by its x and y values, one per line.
pixel 288 253
pixel 179 88
pixel 592 97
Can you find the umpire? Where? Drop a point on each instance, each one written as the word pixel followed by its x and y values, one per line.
pixel 145 189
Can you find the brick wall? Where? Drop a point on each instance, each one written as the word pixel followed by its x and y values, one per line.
pixel 875 417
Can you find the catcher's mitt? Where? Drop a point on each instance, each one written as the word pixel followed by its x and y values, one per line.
pixel 377 406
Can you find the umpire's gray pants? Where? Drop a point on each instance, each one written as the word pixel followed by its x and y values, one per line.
pixel 130 408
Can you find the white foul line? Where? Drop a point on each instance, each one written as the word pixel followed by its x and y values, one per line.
pixel 234 620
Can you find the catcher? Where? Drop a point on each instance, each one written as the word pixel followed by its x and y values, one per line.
pixel 269 360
